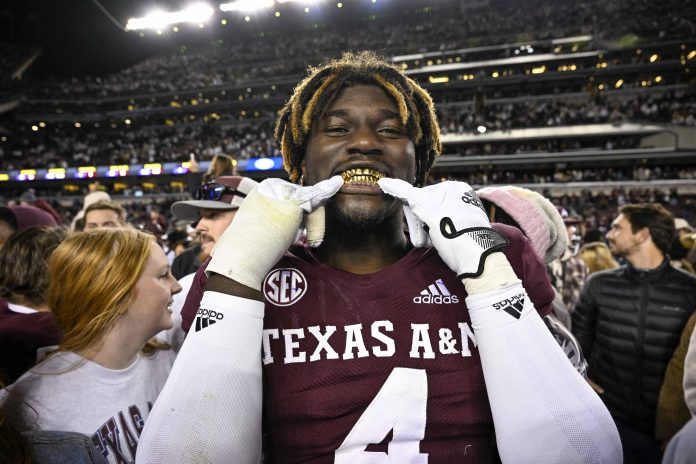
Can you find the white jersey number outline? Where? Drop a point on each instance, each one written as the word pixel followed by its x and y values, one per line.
pixel 400 405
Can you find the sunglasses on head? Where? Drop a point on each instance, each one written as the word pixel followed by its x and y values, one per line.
pixel 214 191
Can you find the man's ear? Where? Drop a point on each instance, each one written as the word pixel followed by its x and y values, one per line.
pixel 644 235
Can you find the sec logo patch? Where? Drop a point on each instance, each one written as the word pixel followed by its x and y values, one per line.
pixel 284 287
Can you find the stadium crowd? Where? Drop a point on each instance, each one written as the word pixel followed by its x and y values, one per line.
pixel 176 137
pixel 132 146
pixel 669 107
pixel 288 52
pixel 561 176
pixel 590 214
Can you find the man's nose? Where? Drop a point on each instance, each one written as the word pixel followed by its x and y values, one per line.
pixel 364 140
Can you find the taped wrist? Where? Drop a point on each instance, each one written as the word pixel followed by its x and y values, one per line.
pixel 261 232
pixel 497 273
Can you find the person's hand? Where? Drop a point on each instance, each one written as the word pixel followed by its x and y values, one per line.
pixel 193 164
pixel 454 219
pixel 264 228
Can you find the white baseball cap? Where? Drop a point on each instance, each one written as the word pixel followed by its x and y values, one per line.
pixel 223 193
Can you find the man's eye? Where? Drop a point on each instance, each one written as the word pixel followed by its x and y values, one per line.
pixel 391 130
pixel 336 130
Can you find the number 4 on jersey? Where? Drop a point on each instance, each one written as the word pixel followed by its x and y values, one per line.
pixel 399 407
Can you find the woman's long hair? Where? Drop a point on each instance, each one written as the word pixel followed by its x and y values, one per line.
pixel 93 279
pixel 220 165
pixel 597 257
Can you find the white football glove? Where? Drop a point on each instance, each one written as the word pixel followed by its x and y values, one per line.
pixel 264 228
pixel 456 224
pixel 315 226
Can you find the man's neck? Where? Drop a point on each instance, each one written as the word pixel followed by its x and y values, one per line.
pixel 646 258
pixel 364 252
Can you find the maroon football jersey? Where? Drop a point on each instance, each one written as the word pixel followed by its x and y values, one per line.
pixel 381 363
pixel 25 339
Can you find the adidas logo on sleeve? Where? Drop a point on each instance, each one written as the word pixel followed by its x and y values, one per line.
pixel 206 317
pixel 513 306
pixel 436 293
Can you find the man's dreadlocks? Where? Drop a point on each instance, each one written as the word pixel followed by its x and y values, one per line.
pixel 311 97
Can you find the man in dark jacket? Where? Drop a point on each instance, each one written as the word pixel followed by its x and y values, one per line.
pixel 629 320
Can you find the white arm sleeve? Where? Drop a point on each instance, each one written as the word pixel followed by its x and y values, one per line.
pixel 543 410
pixel 209 411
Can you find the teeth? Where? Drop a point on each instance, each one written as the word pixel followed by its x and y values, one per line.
pixel 362 176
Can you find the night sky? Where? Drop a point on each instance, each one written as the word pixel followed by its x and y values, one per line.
pixel 77 38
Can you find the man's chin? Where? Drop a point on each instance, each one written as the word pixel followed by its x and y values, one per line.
pixel 360 215
pixel 616 252
pixel 206 249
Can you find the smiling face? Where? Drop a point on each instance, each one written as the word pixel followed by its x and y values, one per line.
pixel 151 309
pixel 361 138
pixel 211 225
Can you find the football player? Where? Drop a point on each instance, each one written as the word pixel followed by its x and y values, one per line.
pixel 376 345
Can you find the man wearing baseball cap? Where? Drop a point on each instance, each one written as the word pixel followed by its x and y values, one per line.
pixel 212 210
pixel 17 218
pixel 214 205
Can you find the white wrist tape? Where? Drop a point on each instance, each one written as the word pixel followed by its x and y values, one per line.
pixel 497 273
pixel 261 232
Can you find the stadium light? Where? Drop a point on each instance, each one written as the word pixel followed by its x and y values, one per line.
pixel 159 20
pixel 246 5
pixel 438 79
pixel 301 2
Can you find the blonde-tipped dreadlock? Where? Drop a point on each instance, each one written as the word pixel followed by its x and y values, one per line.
pixel 311 97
